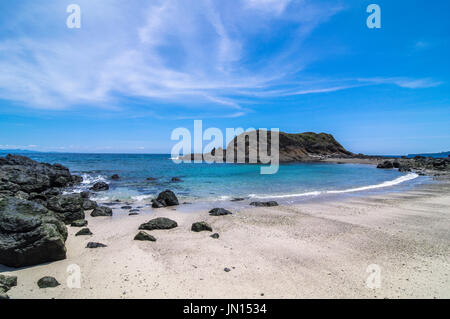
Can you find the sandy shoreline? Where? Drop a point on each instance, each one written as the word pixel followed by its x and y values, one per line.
pixel 312 250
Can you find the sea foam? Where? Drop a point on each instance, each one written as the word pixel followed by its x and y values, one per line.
pixel 394 182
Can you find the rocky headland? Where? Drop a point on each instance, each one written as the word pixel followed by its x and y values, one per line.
pixel 323 147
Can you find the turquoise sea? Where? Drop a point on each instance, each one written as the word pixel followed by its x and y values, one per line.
pixel 206 183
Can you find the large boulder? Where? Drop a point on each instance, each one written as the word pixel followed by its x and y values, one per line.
pixel 47 282
pixel 159 223
pixel 164 199
pixel 68 208
pixel 102 211
pixel 201 226
pixel 219 212
pixel 30 234
pixel 99 187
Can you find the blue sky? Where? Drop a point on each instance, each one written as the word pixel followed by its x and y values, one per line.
pixel 136 70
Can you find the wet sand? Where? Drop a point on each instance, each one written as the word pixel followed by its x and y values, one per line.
pixel 309 250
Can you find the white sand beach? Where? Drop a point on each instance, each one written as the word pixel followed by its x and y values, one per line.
pixel 313 250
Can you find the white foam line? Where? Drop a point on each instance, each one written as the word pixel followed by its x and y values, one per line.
pixel 396 181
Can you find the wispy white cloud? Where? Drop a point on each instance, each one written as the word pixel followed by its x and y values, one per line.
pixel 186 52
pixel 410 83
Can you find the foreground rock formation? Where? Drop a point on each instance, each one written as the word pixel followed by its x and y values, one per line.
pixel 30 234
pixel 33 211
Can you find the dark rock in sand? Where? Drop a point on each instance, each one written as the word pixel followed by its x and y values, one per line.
pixel 7 282
pixel 99 187
pixel 101 211
pixel 227 269
pixel 30 234
pixel 48 282
pixel 215 236
pixel 238 199
pixel 79 223
pixel 159 223
pixel 143 236
pixel 134 210
pixel 89 204
pixel 133 214
pixel 219 212
pixel 201 226
pixel 84 232
pixel 165 199
pixel 93 245
pixel 264 204
pixel 386 165
pixel 115 177
pixel 126 207
pixel 67 207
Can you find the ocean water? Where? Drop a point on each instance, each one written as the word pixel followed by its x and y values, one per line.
pixel 206 183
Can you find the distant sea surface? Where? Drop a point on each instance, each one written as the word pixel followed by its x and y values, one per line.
pixel 223 182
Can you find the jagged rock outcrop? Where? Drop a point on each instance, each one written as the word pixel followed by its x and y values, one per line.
pixel 419 164
pixel 30 234
pixel 33 210
pixel 20 173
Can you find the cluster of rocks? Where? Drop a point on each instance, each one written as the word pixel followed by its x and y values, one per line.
pixel 419 164
pixel 163 223
pixel 34 211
